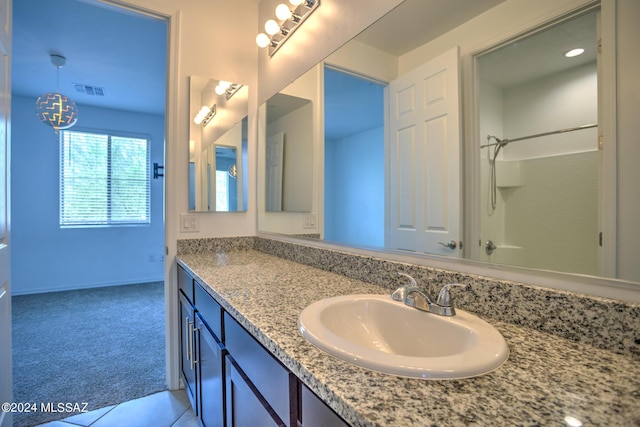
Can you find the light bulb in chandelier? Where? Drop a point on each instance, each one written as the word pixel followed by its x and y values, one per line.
pixel 55 109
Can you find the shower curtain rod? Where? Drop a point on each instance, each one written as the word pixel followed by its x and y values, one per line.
pixel 504 142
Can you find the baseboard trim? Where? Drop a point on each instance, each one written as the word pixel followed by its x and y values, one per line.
pixel 85 286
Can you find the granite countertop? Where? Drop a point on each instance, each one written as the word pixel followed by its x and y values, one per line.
pixel 545 380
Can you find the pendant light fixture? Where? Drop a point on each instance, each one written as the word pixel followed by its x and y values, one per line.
pixel 55 109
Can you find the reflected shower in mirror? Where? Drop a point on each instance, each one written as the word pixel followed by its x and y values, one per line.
pixel 539 154
pixel 217 145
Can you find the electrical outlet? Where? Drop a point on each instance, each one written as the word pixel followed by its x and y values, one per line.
pixel 189 223
pixel 309 221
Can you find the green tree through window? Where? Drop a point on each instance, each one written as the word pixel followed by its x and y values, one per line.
pixel 104 179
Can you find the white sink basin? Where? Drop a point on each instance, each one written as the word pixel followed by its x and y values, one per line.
pixel 377 333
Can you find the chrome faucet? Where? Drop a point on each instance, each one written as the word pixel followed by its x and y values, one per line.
pixel 412 296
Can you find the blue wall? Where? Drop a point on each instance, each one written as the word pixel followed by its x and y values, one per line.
pixel 45 257
pixel 354 189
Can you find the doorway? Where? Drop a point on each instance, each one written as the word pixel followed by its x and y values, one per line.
pixel 106 75
pixel 354 159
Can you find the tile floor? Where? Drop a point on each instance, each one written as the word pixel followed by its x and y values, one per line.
pixel 164 409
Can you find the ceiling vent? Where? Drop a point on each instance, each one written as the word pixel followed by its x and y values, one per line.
pixel 89 90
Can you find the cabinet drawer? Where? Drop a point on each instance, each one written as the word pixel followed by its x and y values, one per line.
pixel 209 309
pixel 271 379
pixel 185 283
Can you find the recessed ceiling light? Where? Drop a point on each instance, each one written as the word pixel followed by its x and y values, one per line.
pixel 574 52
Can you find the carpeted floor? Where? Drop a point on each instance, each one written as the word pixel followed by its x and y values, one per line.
pixel 101 346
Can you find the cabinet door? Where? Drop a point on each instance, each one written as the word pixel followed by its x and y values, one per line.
pixel 269 377
pixel 187 360
pixel 209 363
pixel 315 413
pixel 245 406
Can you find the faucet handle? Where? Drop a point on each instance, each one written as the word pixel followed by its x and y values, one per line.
pixel 401 293
pixel 411 279
pixel 444 296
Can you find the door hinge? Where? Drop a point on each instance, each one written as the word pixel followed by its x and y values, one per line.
pixel 600 239
pixel 599 45
pixel 600 142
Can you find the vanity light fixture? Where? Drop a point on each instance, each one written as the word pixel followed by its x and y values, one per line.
pixel 205 115
pixel 277 33
pixel 574 52
pixel 227 89
pixel 55 109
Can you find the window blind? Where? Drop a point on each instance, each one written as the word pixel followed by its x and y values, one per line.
pixel 104 179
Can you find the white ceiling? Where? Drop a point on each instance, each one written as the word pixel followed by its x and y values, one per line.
pixel 416 22
pixel 107 47
pixel 125 52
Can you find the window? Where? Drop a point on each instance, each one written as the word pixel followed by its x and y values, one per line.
pixel 222 191
pixel 104 180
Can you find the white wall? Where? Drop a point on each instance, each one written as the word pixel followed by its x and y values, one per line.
pixel 46 258
pixel 354 189
pixel 564 100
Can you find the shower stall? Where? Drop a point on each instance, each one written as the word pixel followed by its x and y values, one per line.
pixel 539 152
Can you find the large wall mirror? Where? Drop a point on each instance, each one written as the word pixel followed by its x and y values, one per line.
pixel 217 145
pixel 488 151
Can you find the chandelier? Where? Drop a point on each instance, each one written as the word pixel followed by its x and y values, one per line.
pixel 55 109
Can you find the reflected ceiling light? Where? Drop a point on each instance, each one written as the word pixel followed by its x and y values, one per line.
pixel 574 52
pixel 55 109
pixel 205 115
pixel 290 20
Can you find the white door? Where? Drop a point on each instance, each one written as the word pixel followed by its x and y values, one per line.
pixel 424 152
pixel 275 168
pixel 5 288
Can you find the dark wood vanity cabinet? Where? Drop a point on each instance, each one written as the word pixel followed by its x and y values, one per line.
pixel 230 378
pixel 202 352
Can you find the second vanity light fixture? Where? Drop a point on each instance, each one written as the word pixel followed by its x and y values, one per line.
pixel 290 20
pixel 205 115
pixel 227 89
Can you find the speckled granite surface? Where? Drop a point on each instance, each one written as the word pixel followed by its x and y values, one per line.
pixel 545 379
pixel 603 323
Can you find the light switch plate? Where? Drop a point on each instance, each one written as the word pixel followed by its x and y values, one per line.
pixel 309 221
pixel 189 223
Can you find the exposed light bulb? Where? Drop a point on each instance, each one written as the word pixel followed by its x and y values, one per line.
pixel 283 12
pixel 271 27
pixel 574 52
pixel 262 40
pixel 225 84
pixel 295 2
pixel 220 90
